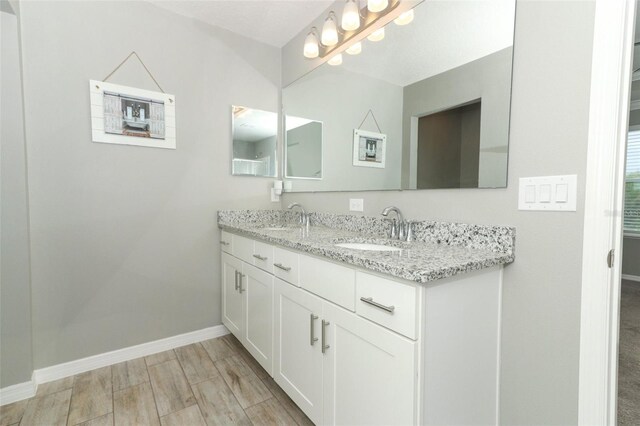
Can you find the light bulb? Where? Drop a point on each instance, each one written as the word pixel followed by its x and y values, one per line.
pixel 377 5
pixel 336 60
pixel 311 45
pixel 329 35
pixel 404 18
pixel 355 49
pixel 377 35
pixel 351 16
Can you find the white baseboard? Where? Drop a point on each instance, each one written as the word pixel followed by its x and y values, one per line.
pixel 17 392
pixel 43 375
pixel 631 277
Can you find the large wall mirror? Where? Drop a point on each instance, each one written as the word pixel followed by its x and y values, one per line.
pixel 254 135
pixel 432 99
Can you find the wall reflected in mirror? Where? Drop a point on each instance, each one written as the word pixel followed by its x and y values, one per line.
pixel 439 88
pixel 303 148
pixel 254 135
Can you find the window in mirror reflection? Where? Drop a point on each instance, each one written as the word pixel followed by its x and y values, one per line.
pixel 303 153
pixel 254 142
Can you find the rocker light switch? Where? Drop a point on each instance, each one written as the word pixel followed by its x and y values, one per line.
pixel 550 193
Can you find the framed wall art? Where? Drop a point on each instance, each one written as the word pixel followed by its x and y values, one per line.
pixel 130 116
pixel 369 148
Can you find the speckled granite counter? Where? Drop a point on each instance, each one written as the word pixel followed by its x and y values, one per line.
pixel 440 249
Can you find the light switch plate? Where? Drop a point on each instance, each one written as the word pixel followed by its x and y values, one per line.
pixel 548 193
pixel 356 204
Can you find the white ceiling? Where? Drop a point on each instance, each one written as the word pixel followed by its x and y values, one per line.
pixel 273 22
pixel 254 125
pixel 442 36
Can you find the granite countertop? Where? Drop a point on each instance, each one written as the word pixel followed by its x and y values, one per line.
pixel 442 249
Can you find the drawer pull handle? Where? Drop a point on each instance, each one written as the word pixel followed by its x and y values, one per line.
pixel 281 266
pixel 324 337
pixel 224 243
pixel 236 280
pixel 257 256
pixel 370 301
pixel 312 337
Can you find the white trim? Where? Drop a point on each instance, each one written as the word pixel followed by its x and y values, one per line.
pixel 60 371
pixel 629 277
pixel 499 343
pixel 608 126
pixel 17 392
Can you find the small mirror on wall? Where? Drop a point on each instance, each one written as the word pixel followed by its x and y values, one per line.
pixel 303 148
pixel 254 136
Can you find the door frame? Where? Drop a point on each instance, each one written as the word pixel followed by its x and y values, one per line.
pixel 603 220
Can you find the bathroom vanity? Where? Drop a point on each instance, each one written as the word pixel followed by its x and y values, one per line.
pixel 360 329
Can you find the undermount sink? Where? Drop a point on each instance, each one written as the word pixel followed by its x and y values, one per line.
pixel 367 247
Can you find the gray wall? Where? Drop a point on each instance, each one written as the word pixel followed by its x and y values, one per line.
pixel 341 99
pixel 15 292
pixel 541 295
pixel 304 150
pixel 486 79
pixel 124 239
pixel 631 256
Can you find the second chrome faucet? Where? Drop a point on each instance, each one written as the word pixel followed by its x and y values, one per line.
pixel 400 228
pixel 304 216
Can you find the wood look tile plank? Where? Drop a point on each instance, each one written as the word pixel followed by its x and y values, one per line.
pixel 106 420
pixel 160 357
pixel 233 368
pixel 170 387
pixel 269 412
pixel 55 386
pixel 294 411
pixel 233 342
pixel 92 395
pixel 249 390
pixel 48 410
pixel 129 373
pixel 196 363
pixel 218 404
pixel 12 413
pixel 135 406
pixel 254 365
pixel 218 349
pixel 190 416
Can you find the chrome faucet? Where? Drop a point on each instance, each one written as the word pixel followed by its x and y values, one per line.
pixel 304 216
pixel 399 227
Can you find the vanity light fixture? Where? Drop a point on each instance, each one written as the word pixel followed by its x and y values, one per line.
pixel 311 49
pixel 404 18
pixel 377 35
pixel 336 60
pixel 351 15
pixel 329 35
pixel 377 5
pixel 355 48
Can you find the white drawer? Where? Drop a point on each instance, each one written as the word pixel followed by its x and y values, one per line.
pixel 263 256
pixel 243 248
pixel 226 242
pixel 286 265
pixel 333 282
pixel 389 303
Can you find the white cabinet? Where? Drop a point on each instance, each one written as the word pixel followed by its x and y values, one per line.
pixel 247 307
pixel 297 352
pixel 340 368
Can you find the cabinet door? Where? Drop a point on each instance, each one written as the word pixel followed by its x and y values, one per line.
pixel 370 373
pixel 257 289
pixel 297 352
pixel 232 315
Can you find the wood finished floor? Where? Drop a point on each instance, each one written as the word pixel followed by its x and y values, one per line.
pixel 629 355
pixel 215 382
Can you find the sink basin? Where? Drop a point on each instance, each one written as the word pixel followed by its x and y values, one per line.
pixel 367 247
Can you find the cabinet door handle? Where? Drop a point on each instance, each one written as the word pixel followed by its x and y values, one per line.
pixel 240 276
pixel 324 337
pixel 224 243
pixel 281 266
pixel 312 338
pixel 236 280
pixel 257 256
pixel 370 301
